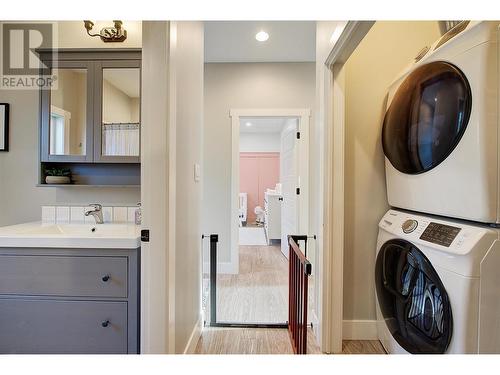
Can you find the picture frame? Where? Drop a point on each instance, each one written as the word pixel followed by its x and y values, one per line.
pixel 4 127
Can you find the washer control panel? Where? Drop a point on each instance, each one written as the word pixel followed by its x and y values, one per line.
pixel 440 234
pixel 409 225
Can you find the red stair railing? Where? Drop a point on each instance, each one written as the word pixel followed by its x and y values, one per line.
pixel 299 270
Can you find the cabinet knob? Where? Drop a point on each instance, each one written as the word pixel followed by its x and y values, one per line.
pixel 280 199
pixel 105 323
pixel 106 278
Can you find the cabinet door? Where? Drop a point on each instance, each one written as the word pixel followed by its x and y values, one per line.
pixel 117 115
pixel 31 326
pixel 67 113
pixel 81 276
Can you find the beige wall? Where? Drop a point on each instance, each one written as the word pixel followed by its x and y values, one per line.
pixel 118 106
pixel 382 54
pixel 20 198
pixel 241 85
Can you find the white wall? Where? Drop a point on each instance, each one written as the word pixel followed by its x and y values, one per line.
pixel 380 57
pixel 324 44
pixel 189 130
pixel 260 142
pixel 172 142
pixel 157 261
pixel 20 198
pixel 241 85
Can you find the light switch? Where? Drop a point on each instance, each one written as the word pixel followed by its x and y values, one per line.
pixel 197 172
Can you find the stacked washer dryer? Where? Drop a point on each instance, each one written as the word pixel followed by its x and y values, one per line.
pixel 438 277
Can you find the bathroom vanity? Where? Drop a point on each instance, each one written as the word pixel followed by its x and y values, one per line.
pixel 69 289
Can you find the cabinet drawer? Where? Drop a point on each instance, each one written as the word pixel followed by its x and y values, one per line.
pixel 79 276
pixel 62 327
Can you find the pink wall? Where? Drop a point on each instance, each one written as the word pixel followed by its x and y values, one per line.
pixel 258 172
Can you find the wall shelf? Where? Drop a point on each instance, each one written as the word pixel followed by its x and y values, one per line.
pixel 96 174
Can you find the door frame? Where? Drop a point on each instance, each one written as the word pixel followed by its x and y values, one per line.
pixel 158 179
pixel 332 259
pixel 304 115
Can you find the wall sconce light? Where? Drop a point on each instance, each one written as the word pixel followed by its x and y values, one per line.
pixel 108 34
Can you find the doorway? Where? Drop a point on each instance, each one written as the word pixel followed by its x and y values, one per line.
pixel 269 201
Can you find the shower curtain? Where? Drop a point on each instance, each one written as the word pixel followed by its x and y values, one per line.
pixel 121 139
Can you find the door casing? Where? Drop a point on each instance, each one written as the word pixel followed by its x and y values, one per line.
pixel 304 115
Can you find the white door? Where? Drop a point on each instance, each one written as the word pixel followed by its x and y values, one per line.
pixel 290 183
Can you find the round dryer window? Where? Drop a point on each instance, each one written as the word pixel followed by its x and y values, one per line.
pixel 412 299
pixel 427 117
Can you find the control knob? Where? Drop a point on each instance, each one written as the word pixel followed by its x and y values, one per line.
pixel 409 226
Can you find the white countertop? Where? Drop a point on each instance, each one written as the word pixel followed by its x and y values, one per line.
pixel 79 236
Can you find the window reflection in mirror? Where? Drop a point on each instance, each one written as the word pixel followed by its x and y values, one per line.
pixel 68 113
pixel 121 111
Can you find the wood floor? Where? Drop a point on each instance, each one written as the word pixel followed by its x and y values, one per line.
pixel 249 341
pixel 269 341
pixel 259 292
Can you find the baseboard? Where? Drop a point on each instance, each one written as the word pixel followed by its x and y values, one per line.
pixel 359 330
pixel 195 337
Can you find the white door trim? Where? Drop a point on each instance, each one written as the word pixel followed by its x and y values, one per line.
pixel 158 188
pixel 304 115
pixel 332 277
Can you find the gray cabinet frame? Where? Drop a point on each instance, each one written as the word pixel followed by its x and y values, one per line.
pixel 45 104
pixel 94 60
pixel 98 103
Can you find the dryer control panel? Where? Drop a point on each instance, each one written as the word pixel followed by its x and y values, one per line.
pixel 440 234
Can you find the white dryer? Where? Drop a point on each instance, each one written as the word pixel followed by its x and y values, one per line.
pixel 441 133
pixel 437 285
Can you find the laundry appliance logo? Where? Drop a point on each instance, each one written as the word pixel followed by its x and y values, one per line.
pixel 21 67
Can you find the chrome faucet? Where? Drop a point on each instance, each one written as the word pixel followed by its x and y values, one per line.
pixel 96 213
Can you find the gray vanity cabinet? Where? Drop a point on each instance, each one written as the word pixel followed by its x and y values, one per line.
pixel 80 301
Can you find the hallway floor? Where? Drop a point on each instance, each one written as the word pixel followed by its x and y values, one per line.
pixel 269 341
pixel 250 341
pixel 259 292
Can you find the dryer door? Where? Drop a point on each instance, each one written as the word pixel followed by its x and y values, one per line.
pixel 427 117
pixel 412 299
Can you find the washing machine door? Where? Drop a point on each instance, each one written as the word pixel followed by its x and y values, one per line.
pixel 427 117
pixel 412 299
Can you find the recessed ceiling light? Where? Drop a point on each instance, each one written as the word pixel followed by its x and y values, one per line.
pixel 248 124
pixel 262 36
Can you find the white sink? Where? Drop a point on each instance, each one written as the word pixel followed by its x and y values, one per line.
pixel 37 234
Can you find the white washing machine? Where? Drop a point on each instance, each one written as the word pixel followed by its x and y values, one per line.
pixel 437 285
pixel 441 132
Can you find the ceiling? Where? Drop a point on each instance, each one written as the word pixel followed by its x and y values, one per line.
pixel 234 41
pixel 126 80
pixel 268 125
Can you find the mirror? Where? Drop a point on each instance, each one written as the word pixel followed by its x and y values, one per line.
pixel 68 113
pixel 121 111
